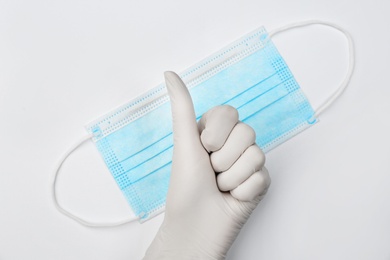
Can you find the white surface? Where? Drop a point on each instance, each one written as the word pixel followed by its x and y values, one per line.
pixel 64 63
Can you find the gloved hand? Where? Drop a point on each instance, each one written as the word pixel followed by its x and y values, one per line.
pixel 218 178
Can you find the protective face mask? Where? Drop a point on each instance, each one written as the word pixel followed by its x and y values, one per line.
pixel 135 140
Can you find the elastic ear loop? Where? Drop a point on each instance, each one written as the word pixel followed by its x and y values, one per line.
pixel 329 101
pixel 67 212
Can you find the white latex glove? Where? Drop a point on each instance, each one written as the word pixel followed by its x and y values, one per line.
pixel 218 178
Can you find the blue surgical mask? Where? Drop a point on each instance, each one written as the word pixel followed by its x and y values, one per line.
pixel 135 140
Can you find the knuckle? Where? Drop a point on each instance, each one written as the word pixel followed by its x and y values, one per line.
pixel 244 194
pixel 210 141
pixel 261 181
pixel 223 183
pixel 257 154
pixel 228 111
pixel 266 176
pixel 264 179
pixel 247 131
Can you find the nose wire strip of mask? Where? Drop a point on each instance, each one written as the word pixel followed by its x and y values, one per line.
pixel 351 59
pixel 163 95
pixel 67 212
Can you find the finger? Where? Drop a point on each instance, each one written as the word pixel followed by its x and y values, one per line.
pixel 251 161
pixel 216 125
pixel 241 137
pixel 257 184
pixel 184 123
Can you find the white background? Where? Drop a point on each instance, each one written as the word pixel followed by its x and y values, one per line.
pixel 64 63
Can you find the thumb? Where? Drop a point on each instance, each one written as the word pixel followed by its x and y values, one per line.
pixel 185 129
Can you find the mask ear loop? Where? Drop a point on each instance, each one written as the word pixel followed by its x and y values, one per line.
pixel 67 212
pixel 343 85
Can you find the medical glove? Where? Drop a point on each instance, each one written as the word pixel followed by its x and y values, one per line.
pixel 218 178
